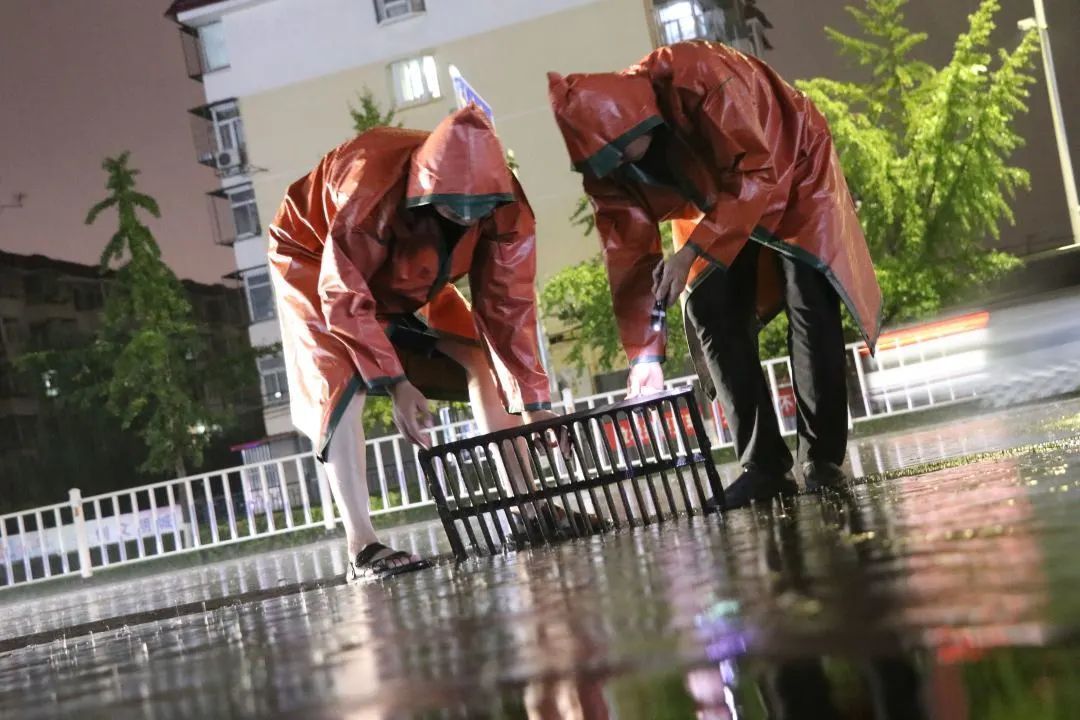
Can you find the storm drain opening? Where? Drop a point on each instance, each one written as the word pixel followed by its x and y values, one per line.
pixel 636 462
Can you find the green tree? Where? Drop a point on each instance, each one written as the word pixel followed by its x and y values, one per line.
pixel 145 387
pixel 148 348
pixel 369 115
pixel 926 152
pixel 378 411
pixel 579 297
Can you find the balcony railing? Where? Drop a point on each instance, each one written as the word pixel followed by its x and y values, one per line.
pixel 219 141
pixel 276 399
pixel 221 218
pixel 193 56
pixel 196 60
pixel 690 20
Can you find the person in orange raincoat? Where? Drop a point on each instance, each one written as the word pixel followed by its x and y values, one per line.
pixel 362 254
pixel 744 165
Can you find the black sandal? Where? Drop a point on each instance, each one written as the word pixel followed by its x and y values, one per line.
pixel 526 529
pixel 557 524
pixel 583 523
pixel 370 565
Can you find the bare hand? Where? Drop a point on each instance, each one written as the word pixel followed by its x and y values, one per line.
pixel 645 378
pixel 669 276
pixel 411 413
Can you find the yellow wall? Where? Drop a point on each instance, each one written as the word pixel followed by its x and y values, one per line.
pixel 290 128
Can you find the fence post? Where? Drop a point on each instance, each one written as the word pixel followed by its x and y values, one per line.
pixel 568 400
pixel 324 495
pixel 448 431
pixel 82 539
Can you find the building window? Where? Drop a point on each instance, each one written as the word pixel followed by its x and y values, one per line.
pixel 219 137
pixel 275 383
pixel 88 297
pixel 10 285
pixel 9 382
pixel 415 80
pixel 234 213
pixel 260 295
pixel 54 334
pixel 681 20
pixel 244 211
pixel 212 47
pixel 386 10
pixel 11 332
pixel 44 288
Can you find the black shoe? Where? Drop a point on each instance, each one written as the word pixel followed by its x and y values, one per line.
pixel 756 486
pixel 827 476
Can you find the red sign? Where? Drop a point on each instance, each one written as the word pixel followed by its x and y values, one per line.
pixel 643 431
pixel 785 401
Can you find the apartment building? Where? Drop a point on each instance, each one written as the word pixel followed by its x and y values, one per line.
pixel 279 76
pixel 48 304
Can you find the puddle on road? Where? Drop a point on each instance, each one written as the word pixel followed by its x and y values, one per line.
pixel 951 595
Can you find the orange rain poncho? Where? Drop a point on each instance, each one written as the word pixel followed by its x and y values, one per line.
pixel 748 158
pixel 349 260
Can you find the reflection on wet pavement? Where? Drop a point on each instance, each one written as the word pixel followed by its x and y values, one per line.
pixel 950 595
pixel 318 563
pixel 47 610
pixel 982 433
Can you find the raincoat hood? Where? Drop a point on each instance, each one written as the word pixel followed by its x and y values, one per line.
pixel 744 157
pixel 461 165
pixel 599 114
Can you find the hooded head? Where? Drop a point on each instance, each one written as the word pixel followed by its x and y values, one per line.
pixel 600 114
pixel 461 167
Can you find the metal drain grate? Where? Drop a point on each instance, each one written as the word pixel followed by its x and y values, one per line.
pixel 636 462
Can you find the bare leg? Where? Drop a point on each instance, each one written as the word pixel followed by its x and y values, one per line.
pixel 491 416
pixel 346 468
pixel 487 404
pixel 483 392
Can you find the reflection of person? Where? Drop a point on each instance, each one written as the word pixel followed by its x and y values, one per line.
pixel 788 573
pixel 566 698
pixel 560 639
pixel 362 253
pixel 715 141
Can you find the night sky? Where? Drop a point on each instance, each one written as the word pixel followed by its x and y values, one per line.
pixel 83 79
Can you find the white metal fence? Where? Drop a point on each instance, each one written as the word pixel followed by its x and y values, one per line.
pixel 287 494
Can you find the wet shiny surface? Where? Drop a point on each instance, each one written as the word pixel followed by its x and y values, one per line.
pixel 952 594
pixel 319 562
pixel 46 608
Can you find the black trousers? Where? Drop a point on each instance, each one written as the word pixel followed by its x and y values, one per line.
pixel 723 312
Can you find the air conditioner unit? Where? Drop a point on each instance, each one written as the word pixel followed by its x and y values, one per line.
pixel 227 159
pixel 207 158
pixel 399 8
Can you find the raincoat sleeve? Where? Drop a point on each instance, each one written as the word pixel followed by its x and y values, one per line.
pixel 630 240
pixel 727 124
pixel 351 256
pixel 503 286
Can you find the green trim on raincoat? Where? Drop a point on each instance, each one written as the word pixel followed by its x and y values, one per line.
pixel 610 156
pixel 763 237
pixel 339 410
pixel 469 207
